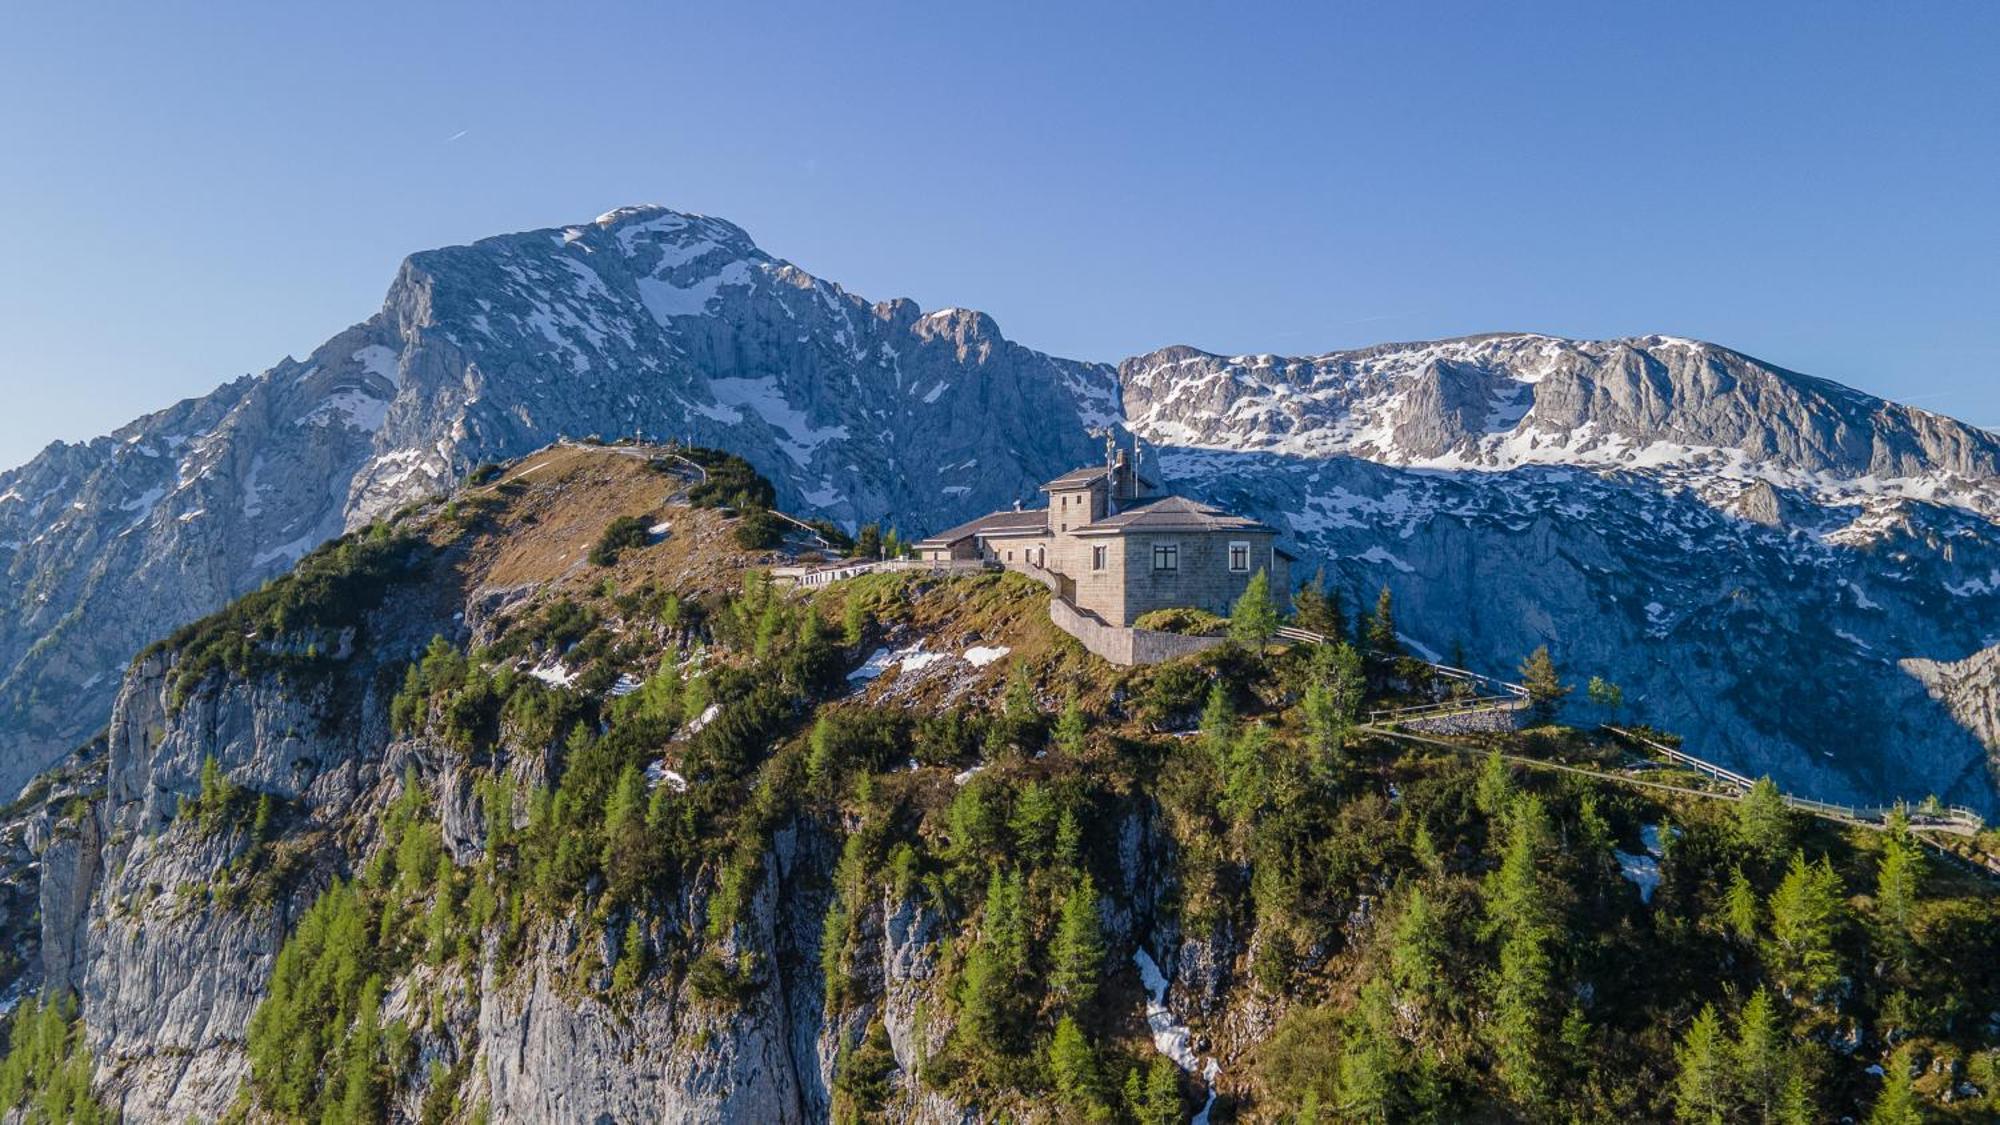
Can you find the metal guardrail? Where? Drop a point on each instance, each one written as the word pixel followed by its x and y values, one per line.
pixel 836 572
pixel 1954 816
pixel 1466 706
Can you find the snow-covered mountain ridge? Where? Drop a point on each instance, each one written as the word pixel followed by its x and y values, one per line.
pixel 1681 410
pixel 1671 514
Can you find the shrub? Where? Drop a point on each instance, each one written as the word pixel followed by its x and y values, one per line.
pixel 732 482
pixel 864 1077
pixel 1173 692
pixel 1185 620
pixel 625 531
pixel 759 530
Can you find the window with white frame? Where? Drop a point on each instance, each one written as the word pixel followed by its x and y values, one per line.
pixel 1166 556
pixel 1098 555
pixel 1239 557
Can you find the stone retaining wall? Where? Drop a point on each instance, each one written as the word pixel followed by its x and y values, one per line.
pixel 1491 720
pixel 1123 646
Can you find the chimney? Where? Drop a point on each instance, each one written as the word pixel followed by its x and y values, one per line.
pixel 1123 485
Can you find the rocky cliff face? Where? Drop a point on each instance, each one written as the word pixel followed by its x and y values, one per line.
pixel 1750 551
pixel 1970 690
pixel 167 919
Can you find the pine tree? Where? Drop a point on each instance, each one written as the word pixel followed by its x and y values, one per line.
pixel 631 966
pixel 892 544
pixel 1741 908
pixel 1071 728
pixel 1597 840
pixel 1702 1093
pixel 1762 1062
pixel 1245 784
pixel 1317 610
pixel 864 1077
pixel 627 844
pixel 1323 724
pixel 1765 827
pixel 853 620
pixel 1369 1065
pixel 833 953
pixel 1346 676
pixel 1069 841
pixel 1521 1003
pixel 1073 1065
pixel 1807 911
pixel 993 971
pixel 1077 959
pixel 1254 620
pixel 1161 1103
pixel 1218 723
pixel 822 767
pixel 1019 704
pixel 1495 790
pixel 1426 850
pixel 1605 694
pixel 260 825
pixel 1546 690
pixel 361 1082
pixel 1419 953
pixel 443 917
pixel 1519 910
pixel 1796 1104
pixel 1381 637
pixel 1898 1103
pixel 1333 699
pixel 1033 822
pixel 1898 884
pixel 868 541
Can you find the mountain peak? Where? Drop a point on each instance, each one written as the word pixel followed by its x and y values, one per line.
pixel 629 224
pixel 637 210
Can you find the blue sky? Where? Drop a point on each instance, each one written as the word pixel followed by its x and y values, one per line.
pixel 190 192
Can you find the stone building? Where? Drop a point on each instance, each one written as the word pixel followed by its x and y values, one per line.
pixel 1118 548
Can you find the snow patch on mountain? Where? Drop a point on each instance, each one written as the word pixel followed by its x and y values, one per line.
pixel 765 398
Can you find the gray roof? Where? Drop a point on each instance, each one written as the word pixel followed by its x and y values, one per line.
pixel 1172 513
pixel 1002 522
pixel 1077 478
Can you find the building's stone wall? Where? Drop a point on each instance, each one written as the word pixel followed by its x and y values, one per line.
pixel 1203 579
pixel 963 549
pixel 1100 591
pixel 1023 547
pixel 1075 507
